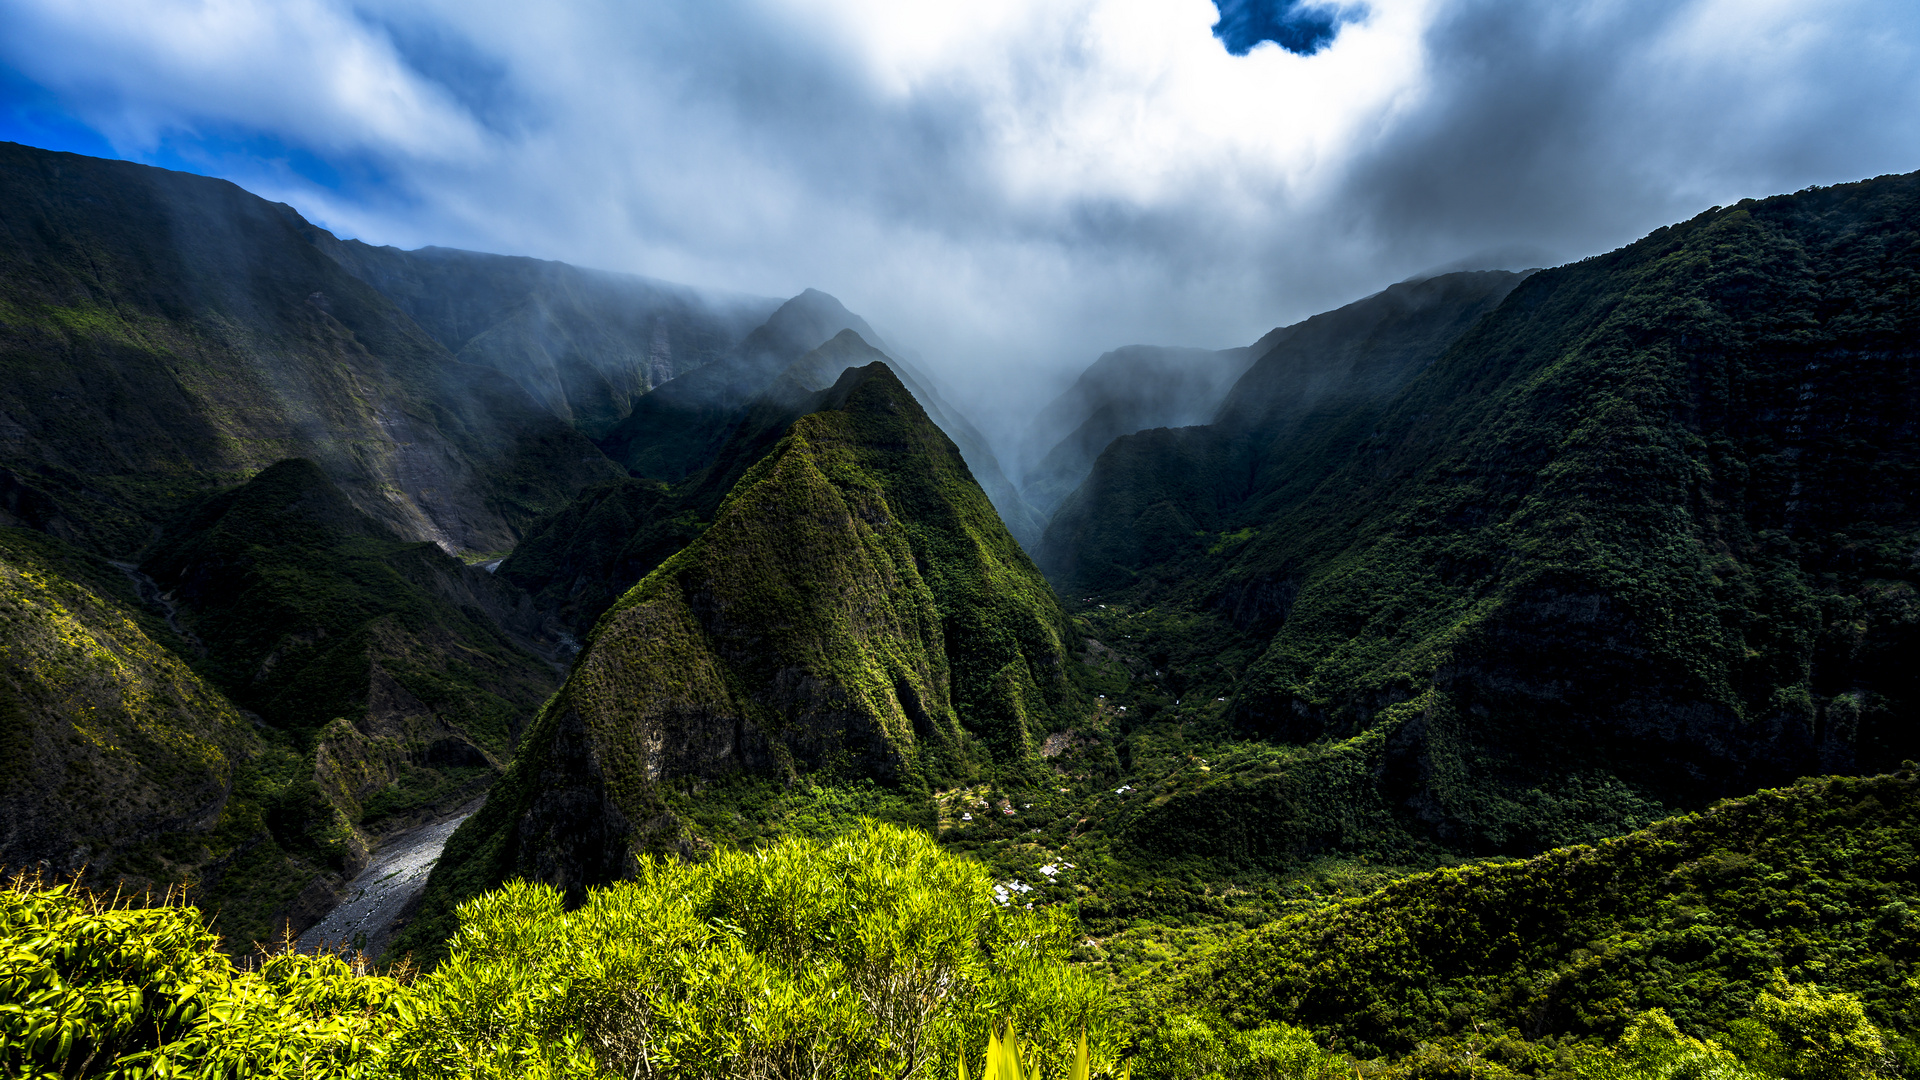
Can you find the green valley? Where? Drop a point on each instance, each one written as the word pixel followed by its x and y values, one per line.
pixel 1505 674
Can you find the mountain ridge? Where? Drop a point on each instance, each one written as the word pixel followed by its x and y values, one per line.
pixel 856 610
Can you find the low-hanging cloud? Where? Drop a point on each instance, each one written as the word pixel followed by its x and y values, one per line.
pixel 1009 186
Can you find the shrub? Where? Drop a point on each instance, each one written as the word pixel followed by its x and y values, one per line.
pixel 876 953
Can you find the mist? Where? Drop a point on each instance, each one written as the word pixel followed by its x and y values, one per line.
pixel 1006 189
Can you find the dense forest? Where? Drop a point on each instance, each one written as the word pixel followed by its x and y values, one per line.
pixel 1506 674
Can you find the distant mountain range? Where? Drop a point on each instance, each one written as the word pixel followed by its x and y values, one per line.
pixel 1127 390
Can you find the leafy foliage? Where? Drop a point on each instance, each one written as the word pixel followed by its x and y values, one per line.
pixel 1693 916
pixel 873 952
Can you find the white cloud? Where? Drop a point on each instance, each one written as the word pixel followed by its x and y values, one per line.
pixel 1012 186
pixel 306 71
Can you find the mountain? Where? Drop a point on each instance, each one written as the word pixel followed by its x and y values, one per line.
pixel 856 610
pixel 1127 390
pixel 110 740
pixel 584 343
pixel 1694 916
pixel 305 610
pixel 165 335
pixel 580 560
pixel 1153 495
pixel 1639 536
pixel 675 431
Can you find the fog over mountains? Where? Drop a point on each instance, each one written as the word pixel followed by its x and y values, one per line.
pixel 1012 190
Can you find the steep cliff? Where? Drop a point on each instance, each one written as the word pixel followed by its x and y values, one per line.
pixel 1641 536
pixel 856 610
pixel 165 335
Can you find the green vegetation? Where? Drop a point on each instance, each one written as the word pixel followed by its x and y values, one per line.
pixel 1697 916
pixel 1638 538
pixel 168 335
pixel 307 610
pixel 1761 940
pixel 875 953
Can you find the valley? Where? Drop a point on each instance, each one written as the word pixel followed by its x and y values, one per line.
pixel 1504 674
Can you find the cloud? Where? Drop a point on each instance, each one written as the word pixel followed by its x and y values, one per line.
pixel 1010 186
pixel 306 72
pixel 1294 26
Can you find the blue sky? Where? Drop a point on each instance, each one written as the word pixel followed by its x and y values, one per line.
pixel 1009 186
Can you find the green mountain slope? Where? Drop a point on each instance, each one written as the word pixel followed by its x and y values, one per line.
pixel 109 739
pixel 307 610
pixel 165 335
pixel 1294 414
pixel 584 343
pixel 119 761
pixel 1641 537
pixel 1692 916
pixel 856 610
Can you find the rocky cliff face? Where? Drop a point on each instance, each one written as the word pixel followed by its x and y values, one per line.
pixel 164 335
pixel 856 610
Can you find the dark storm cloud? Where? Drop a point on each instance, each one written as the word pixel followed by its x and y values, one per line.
pixel 1578 127
pixel 1297 27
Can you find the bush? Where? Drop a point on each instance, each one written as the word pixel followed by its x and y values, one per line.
pixel 877 952
pixel 873 953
